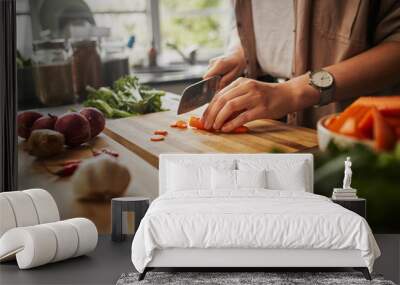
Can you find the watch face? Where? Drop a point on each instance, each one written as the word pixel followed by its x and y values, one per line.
pixel 322 79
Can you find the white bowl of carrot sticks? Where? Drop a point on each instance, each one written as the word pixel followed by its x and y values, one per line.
pixel 374 121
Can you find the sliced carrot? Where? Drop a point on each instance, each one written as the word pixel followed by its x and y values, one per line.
pixel 393 122
pixel 384 135
pixel 330 121
pixel 349 121
pixel 157 139
pixel 241 130
pixel 160 132
pixel 348 127
pixel 397 131
pixel 381 102
pixel 365 125
pixel 349 112
pixel 181 124
pixel 195 122
pixel 393 112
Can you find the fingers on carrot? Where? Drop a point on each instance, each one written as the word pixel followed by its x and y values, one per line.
pixel 241 130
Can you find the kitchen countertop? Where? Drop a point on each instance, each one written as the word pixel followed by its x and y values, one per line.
pixel 179 74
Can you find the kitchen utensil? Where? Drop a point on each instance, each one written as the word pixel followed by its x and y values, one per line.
pixel 198 94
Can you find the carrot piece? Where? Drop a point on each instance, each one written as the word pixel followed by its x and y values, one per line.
pixel 181 124
pixel 393 122
pixel 381 102
pixel 365 125
pixel 160 132
pixel 384 136
pixel 348 127
pixel 397 131
pixel 349 122
pixel 157 139
pixel 241 130
pixel 195 122
pixel 330 121
pixel 394 112
pixel 349 112
pixel 173 125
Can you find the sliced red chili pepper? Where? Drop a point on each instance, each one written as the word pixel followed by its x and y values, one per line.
pixel 157 139
pixel 72 161
pixel 67 170
pixel 110 152
pixel 160 132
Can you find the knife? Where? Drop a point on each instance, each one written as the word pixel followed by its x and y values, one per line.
pixel 198 94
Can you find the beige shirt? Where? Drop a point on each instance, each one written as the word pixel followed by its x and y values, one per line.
pixel 327 32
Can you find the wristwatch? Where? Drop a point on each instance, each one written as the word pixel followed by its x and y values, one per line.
pixel 324 82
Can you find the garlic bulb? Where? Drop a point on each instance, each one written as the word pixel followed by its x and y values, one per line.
pixel 100 177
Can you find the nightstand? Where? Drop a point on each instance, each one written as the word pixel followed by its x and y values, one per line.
pixel 138 205
pixel 358 206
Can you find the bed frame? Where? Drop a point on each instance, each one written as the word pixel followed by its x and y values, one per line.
pixel 242 259
pixel 246 258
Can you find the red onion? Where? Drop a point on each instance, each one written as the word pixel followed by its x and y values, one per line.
pixel 25 121
pixel 47 122
pixel 96 120
pixel 75 127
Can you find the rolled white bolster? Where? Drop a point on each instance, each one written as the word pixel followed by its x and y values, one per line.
pixel 45 205
pixel 33 246
pixel 7 218
pixel 87 233
pixel 40 244
pixel 23 208
pixel 67 240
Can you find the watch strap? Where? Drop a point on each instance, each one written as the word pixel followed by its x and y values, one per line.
pixel 325 96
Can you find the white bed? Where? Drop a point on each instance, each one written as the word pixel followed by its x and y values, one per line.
pixel 197 222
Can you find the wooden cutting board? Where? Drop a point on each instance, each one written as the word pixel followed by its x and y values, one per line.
pixel 264 136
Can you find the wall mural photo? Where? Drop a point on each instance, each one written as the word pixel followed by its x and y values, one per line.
pixel 144 139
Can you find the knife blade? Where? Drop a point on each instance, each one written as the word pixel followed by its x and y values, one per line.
pixel 198 94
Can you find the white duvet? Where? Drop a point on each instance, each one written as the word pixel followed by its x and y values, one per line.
pixel 250 219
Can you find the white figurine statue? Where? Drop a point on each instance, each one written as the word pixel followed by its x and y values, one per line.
pixel 347 174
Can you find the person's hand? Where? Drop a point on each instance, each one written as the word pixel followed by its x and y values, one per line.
pixel 229 67
pixel 245 100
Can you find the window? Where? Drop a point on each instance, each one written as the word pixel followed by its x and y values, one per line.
pixel 201 23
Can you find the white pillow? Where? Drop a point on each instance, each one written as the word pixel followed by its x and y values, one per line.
pixel 282 174
pixel 227 179
pixel 183 178
pixel 251 178
pixel 186 174
pixel 223 179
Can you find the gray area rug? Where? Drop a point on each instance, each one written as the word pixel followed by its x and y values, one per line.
pixel 269 278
